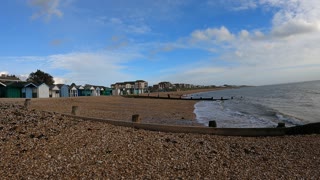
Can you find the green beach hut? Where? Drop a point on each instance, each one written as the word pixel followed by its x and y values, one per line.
pixel 2 90
pixel 11 89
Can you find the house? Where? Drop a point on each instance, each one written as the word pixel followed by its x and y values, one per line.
pixel 9 78
pixel 129 87
pixel 43 91
pixel 141 87
pixel 29 90
pixel 54 91
pixel 116 92
pixel 165 86
pixel 118 88
pixel 64 90
pixel 183 86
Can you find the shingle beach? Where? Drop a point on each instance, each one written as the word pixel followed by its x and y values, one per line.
pixel 47 145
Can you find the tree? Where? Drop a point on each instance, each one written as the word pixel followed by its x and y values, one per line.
pixel 40 77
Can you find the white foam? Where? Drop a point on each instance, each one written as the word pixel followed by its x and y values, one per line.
pixel 207 110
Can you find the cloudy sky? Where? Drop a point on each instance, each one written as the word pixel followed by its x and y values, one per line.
pixel 253 42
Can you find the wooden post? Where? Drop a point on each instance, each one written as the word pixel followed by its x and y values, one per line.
pixel 75 110
pixel 169 96
pixel 27 103
pixel 136 118
pixel 212 124
pixel 281 125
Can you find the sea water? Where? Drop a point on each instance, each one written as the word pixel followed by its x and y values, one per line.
pixel 262 106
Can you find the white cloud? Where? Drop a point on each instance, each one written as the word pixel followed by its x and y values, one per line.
pixel 94 67
pixel 294 27
pixel 59 80
pixel 46 9
pixel 294 17
pixel 4 72
pixel 212 34
pixel 23 77
pixel 288 52
pixel 99 68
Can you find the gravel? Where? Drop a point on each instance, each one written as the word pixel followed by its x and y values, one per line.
pixel 41 145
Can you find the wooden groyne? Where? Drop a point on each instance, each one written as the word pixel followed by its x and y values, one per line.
pixel 281 130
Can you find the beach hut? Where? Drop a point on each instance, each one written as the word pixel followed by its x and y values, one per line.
pixel 54 91
pixel 29 90
pixel 90 90
pixel 19 89
pixel 106 91
pixel 97 91
pixel 73 91
pixel 87 90
pixel 12 89
pixel 43 91
pixel 80 90
pixel 64 90
pixel 2 90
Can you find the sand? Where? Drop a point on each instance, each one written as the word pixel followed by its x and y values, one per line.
pixel 41 145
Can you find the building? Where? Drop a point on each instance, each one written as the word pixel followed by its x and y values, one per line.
pixel 129 87
pixel 92 90
pixel 9 78
pixel 141 87
pixel 29 90
pixel 2 90
pixel 11 89
pixel 43 91
pixel 54 91
pixel 183 86
pixel 64 90
pixel 73 90
pixel 165 86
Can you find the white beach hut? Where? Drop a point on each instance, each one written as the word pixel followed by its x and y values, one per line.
pixel 54 91
pixel 43 91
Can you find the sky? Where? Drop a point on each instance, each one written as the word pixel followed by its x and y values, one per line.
pixel 201 42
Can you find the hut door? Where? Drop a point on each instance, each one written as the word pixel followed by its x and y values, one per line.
pixel 28 92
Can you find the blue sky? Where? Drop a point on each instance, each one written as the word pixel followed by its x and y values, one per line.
pixel 205 42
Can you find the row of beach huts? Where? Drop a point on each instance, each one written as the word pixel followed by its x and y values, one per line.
pixel 13 87
pixel 18 89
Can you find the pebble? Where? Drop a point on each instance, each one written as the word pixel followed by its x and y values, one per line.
pixel 58 147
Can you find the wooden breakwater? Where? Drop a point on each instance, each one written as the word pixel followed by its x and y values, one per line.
pixel 281 130
pixel 313 128
pixel 178 98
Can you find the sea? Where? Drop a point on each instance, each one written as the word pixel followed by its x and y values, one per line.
pixel 261 106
